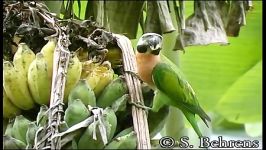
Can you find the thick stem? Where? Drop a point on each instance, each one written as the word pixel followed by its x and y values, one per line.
pixel 140 122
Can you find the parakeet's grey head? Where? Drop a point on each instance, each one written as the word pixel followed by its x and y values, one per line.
pixel 150 43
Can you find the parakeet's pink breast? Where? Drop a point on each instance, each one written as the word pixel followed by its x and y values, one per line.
pixel 145 64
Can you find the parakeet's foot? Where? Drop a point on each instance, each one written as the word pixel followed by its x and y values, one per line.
pixel 140 105
pixel 134 74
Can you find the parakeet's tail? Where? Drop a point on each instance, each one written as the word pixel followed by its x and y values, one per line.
pixel 192 120
pixel 204 116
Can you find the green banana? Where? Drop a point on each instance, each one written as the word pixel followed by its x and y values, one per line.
pixel 112 92
pixel 38 80
pixel 82 91
pixel 112 120
pixel 9 109
pixel 128 141
pixel 42 117
pixel 9 128
pixel 120 104
pixel 86 141
pixel 20 128
pixel 16 87
pixel 76 112
pixel 30 134
pixel 124 132
pixel 73 75
pixel 12 143
pixel 23 58
pixel 48 53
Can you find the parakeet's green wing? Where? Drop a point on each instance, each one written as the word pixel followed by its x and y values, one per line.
pixel 168 81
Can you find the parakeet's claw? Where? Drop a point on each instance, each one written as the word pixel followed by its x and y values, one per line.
pixel 140 105
pixel 134 74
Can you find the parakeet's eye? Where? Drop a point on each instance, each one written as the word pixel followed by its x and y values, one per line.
pixel 142 48
pixel 156 52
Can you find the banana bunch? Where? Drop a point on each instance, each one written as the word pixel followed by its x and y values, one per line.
pixel 16 84
pixel 97 75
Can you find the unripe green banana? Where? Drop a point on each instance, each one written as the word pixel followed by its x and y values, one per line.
pixel 73 75
pixel 128 141
pixel 76 112
pixel 120 104
pixel 16 87
pixel 124 132
pixel 9 128
pixel 38 80
pixel 20 128
pixel 42 117
pixel 48 53
pixel 30 134
pixel 112 92
pixel 82 91
pixel 112 120
pixel 12 143
pixel 86 141
pixel 98 76
pixel 23 58
pixel 9 109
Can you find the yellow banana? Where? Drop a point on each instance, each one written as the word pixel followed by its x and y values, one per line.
pixel 73 75
pixel 48 53
pixel 9 109
pixel 38 80
pixel 98 76
pixel 82 54
pixel 20 128
pixel 16 87
pixel 23 58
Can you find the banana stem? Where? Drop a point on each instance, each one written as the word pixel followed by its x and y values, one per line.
pixel 139 116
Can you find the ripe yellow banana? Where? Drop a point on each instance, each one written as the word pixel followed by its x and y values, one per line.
pixel 48 53
pixel 9 109
pixel 73 75
pixel 38 80
pixel 16 87
pixel 114 56
pixel 98 76
pixel 20 128
pixel 23 58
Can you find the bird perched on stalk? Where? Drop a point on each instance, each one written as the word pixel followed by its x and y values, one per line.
pixel 166 79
